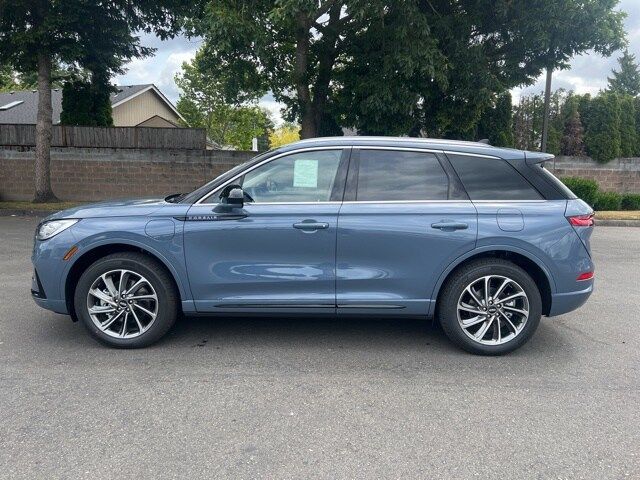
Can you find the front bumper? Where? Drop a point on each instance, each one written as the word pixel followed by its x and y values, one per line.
pixel 47 285
pixel 566 302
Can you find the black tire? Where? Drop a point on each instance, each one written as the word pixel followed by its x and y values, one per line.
pixel 157 276
pixel 447 308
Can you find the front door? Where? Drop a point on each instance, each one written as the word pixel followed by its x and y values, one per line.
pixel 406 219
pixel 281 254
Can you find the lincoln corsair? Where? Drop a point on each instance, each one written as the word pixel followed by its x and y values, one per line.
pixel 484 239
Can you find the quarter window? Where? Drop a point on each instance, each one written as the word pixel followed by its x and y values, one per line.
pixel 387 175
pixel 492 179
pixel 300 177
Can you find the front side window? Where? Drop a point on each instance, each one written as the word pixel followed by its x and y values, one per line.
pixel 299 177
pixel 487 178
pixel 395 175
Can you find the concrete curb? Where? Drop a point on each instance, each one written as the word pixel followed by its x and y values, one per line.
pixel 617 223
pixel 11 212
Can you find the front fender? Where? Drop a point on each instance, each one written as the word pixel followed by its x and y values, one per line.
pixel 168 249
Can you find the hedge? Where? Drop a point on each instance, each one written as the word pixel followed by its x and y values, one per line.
pixel 584 188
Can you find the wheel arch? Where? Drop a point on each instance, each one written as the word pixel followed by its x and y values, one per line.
pixel 527 261
pixel 98 251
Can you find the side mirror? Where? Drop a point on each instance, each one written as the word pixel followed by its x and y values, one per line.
pixel 234 198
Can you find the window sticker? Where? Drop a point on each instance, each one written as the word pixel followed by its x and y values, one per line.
pixel 305 173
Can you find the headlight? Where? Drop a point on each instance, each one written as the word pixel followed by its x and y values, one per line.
pixel 53 227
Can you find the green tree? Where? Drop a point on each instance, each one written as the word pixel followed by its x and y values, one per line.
pixel 627 79
pixel 98 36
pixel 424 66
pixel 203 103
pixel 602 137
pixel 628 133
pixel 496 123
pixel 87 102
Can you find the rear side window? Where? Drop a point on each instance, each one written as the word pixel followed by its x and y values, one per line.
pixel 387 175
pixel 492 179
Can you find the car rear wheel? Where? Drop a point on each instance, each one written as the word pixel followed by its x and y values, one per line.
pixel 126 300
pixel 490 307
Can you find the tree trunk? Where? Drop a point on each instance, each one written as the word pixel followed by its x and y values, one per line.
pixel 44 193
pixel 545 119
pixel 308 118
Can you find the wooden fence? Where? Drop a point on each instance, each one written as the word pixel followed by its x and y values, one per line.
pixel 12 135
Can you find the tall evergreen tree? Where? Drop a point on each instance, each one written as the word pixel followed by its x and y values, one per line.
pixel 628 133
pixel 627 79
pixel 573 139
pixel 602 137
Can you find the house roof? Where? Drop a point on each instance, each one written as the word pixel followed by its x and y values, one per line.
pixel 26 111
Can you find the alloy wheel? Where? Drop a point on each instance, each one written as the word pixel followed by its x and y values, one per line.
pixel 122 303
pixel 493 310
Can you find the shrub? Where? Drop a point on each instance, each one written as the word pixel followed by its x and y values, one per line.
pixel 584 188
pixel 630 201
pixel 608 201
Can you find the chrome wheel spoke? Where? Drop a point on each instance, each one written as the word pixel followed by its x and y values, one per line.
pixel 485 317
pixel 474 321
pixel 473 296
pixel 501 288
pixel 511 297
pixel 510 323
pixel 143 297
pixel 135 317
pixel 124 325
pixel 110 321
pixel 97 309
pixel 108 282
pixel 151 314
pixel 469 309
pixel 123 282
pixel 482 331
pixel 102 296
pixel 517 310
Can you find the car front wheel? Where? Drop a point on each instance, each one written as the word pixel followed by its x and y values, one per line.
pixel 490 307
pixel 126 300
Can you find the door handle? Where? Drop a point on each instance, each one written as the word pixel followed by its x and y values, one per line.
pixel 310 225
pixel 450 226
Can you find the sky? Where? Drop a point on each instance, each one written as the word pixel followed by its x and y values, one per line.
pixel 588 72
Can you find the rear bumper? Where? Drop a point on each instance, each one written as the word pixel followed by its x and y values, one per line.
pixel 567 302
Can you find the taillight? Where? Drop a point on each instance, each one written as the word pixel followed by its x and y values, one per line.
pixel 585 276
pixel 582 220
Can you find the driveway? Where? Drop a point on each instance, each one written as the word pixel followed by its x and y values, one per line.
pixel 311 398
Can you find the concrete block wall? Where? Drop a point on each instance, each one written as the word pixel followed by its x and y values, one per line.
pixel 621 175
pixel 89 174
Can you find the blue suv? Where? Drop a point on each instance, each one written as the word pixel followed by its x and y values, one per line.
pixel 485 239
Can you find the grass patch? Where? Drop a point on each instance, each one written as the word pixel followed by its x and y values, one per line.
pixel 50 207
pixel 618 215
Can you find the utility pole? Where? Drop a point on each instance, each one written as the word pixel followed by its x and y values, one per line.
pixel 545 119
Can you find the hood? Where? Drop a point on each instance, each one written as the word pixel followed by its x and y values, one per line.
pixel 114 208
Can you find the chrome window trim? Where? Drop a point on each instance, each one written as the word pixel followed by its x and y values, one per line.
pixel 267 160
pixel 481 155
pixel 202 200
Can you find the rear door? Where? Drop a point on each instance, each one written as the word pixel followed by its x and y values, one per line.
pixel 404 220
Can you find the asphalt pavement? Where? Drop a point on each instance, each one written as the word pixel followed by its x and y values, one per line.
pixel 320 398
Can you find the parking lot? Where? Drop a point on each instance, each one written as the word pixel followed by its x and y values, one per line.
pixel 312 398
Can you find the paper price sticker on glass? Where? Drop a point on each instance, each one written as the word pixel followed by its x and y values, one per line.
pixel 305 173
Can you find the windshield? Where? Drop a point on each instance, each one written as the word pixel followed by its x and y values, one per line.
pixel 206 188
